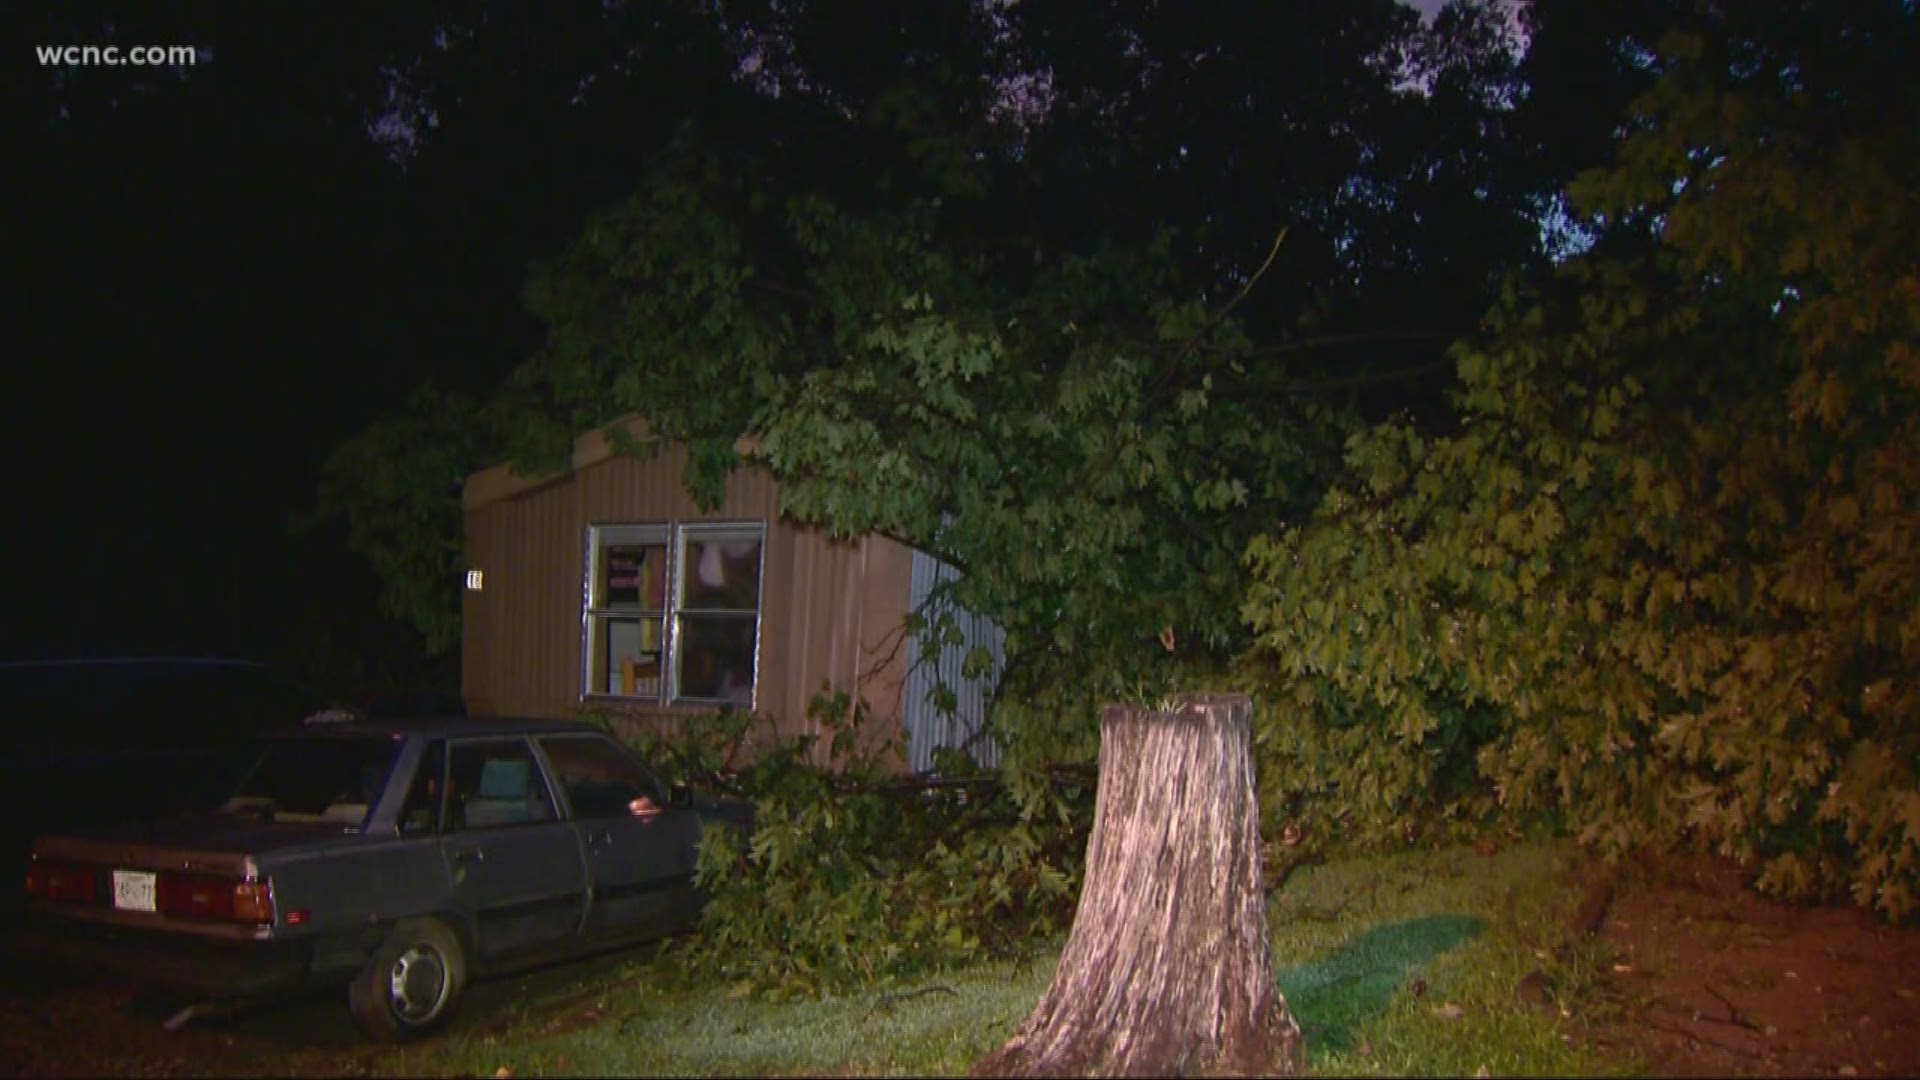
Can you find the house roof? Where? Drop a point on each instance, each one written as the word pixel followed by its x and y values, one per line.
pixel 497 482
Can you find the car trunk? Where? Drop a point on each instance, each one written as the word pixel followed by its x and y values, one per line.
pixel 210 844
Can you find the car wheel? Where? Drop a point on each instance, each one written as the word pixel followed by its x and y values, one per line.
pixel 412 983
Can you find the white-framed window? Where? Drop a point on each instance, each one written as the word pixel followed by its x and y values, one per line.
pixel 671 612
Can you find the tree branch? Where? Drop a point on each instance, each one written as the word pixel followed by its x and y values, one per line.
pixel 1152 398
pixel 1218 317
pixel 1357 338
pixel 1347 382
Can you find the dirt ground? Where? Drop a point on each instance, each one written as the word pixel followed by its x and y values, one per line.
pixel 1707 978
pixel 56 1024
pixel 1699 977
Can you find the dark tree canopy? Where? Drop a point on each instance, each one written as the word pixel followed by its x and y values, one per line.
pixel 1073 304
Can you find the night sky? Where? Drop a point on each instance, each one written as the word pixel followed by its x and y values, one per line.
pixel 216 278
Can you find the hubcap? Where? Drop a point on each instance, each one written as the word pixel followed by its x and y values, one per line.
pixel 417 984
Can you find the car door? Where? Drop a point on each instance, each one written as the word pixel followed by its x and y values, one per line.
pixel 515 864
pixel 640 851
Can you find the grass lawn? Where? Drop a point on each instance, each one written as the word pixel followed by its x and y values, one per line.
pixel 1404 964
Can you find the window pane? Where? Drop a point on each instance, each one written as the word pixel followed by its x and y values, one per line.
pixel 315 779
pixel 720 572
pixel 421 814
pixel 632 576
pixel 626 657
pixel 716 657
pixel 601 780
pixel 496 783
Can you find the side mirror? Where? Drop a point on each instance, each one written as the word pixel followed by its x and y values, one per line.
pixel 680 795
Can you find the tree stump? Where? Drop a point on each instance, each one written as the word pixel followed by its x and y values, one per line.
pixel 1166 971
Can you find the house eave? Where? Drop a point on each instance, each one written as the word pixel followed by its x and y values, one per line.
pixel 500 482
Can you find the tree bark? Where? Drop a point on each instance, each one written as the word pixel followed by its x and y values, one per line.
pixel 1166 971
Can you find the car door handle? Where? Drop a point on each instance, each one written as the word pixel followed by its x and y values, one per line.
pixel 470 855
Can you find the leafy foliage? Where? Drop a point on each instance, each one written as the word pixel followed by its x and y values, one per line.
pixel 854 877
pixel 1090 443
pixel 397 487
pixel 1660 580
pixel 1030 330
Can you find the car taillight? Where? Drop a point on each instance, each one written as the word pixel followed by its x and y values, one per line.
pixel 69 884
pixel 253 902
pixel 202 896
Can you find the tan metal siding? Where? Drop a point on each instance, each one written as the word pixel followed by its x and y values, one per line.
pixel 516 637
pixel 478 688
pixel 887 582
pixel 829 610
pixel 554 654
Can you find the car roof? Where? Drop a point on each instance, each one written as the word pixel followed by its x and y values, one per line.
pixel 442 727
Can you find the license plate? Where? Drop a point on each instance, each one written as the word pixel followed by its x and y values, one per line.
pixel 133 890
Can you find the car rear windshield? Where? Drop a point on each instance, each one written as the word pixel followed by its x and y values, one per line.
pixel 314 779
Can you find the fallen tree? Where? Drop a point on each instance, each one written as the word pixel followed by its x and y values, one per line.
pixel 1166 972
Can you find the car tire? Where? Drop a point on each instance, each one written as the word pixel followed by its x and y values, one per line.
pixel 412 982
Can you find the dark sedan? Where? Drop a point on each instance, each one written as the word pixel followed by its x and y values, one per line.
pixel 104 739
pixel 397 858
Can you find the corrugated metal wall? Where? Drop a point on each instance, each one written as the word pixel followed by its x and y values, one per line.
pixel 829 610
pixel 929 728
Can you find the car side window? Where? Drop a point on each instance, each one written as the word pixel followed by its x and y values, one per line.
pixel 602 780
pixel 495 783
pixel 420 814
